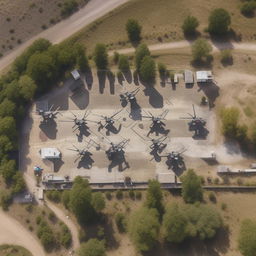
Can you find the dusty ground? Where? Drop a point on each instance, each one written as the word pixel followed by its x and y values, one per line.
pixel 142 165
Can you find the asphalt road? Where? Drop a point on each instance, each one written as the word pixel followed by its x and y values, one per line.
pixel 57 33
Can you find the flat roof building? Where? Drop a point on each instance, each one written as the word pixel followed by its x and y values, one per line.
pixel 49 153
pixel 204 76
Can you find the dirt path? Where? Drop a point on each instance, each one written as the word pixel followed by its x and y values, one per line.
pixel 70 224
pixel 12 232
pixel 91 12
pixel 184 44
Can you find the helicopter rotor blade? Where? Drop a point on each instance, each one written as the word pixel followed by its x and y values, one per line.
pixel 50 109
pixel 194 110
pixel 164 114
pixel 147 115
pixel 85 113
pixel 73 114
pixel 116 113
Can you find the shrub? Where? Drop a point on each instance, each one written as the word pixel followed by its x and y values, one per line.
pixel 93 247
pixel 116 57
pixel 201 49
pixel 5 200
pixel 123 63
pixel 119 194
pixel 138 195
pixel 121 222
pixel 82 235
pixel 53 195
pixel 223 206
pixel 108 195
pixel 38 220
pixel 98 201
pixel 212 197
pixel 226 57
pixel 132 194
pixel 189 25
pixel 65 237
pixel 248 8
pixel 162 70
pixel 65 198
pixel 68 7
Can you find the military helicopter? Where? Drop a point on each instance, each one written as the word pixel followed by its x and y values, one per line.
pixel 175 159
pixel 84 155
pixel 48 115
pixel 109 120
pixel 80 123
pixel 116 150
pixel 197 124
pixel 158 145
pixel 156 120
pixel 129 96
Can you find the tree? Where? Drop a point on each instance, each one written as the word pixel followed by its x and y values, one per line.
pixel 98 201
pixel 143 228
pixel 247 238
pixel 229 118
pixel 27 87
pixel 175 224
pixel 121 222
pixel 68 7
pixel 162 70
pixel 81 200
pixel 8 170
pixel 133 29
pixel 101 56
pixel 65 198
pixel 154 196
pixel 201 49
pixel 93 247
pixel 123 63
pixel 19 183
pixel 219 22
pixel 189 25
pixel 6 145
pixel 42 70
pixel 141 51
pixel 148 69
pixel 81 58
pixel 192 190
pixel 8 127
pixel 7 108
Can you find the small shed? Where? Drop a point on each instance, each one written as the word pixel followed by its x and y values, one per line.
pixel 204 76
pixel 51 178
pixel 49 153
pixel 75 74
pixel 188 77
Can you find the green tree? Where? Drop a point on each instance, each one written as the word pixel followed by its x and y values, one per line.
pixel 8 170
pixel 81 200
pixel 121 222
pixel 192 190
pixel 6 145
pixel 219 22
pixel 7 108
pixel 93 247
pixel 229 118
pixel 27 87
pixel 123 63
pixel 247 238
pixel 201 49
pixel 148 69
pixel 65 198
pixel 68 7
pixel 144 228
pixel 175 224
pixel 162 69
pixel 101 56
pixel 190 25
pixel 141 51
pixel 42 70
pixel 8 127
pixel 81 58
pixel 154 196
pixel 133 29
pixel 19 183
pixel 98 201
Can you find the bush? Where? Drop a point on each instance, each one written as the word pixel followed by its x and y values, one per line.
pixel 65 198
pixel 248 8
pixel 52 216
pixel 132 194
pixel 108 195
pixel 68 7
pixel 98 201
pixel 201 49
pixel 38 220
pixel 65 237
pixel 189 25
pixel 121 222
pixel 219 22
pixel 162 70
pixel 247 238
pixel 133 30
pixel 82 235
pixel 138 195
pixel 5 200
pixel 223 206
pixel 123 63
pixel 116 57
pixel 46 236
pixel 226 57
pixel 119 194
pixel 93 247
pixel 212 197
pixel 54 195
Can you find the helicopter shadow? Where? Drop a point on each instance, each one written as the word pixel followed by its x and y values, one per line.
pixel 128 76
pixel 49 128
pixel 86 162
pixel 158 130
pixel 135 113
pixel 177 168
pixel 118 161
pixel 83 131
pixel 57 163
pixel 155 98
pixel 200 134
pixel 156 151
pixel 110 128
pixel 81 98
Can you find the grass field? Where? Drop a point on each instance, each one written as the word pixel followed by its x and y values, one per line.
pixel 13 250
pixel 161 21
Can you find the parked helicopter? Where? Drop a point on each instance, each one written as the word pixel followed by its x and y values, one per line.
pixel 129 96
pixel 197 124
pixel 48 115
pixel 175 160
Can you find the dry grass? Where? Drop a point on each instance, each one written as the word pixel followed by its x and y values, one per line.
pixel 161 20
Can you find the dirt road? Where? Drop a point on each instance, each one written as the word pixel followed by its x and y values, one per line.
pixel 12 232
pixel 70 224
pixel 183 44
pixel 91 12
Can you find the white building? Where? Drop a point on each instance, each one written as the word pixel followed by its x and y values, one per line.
pixel 204 76
pixel 188 77
pixel 49 153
